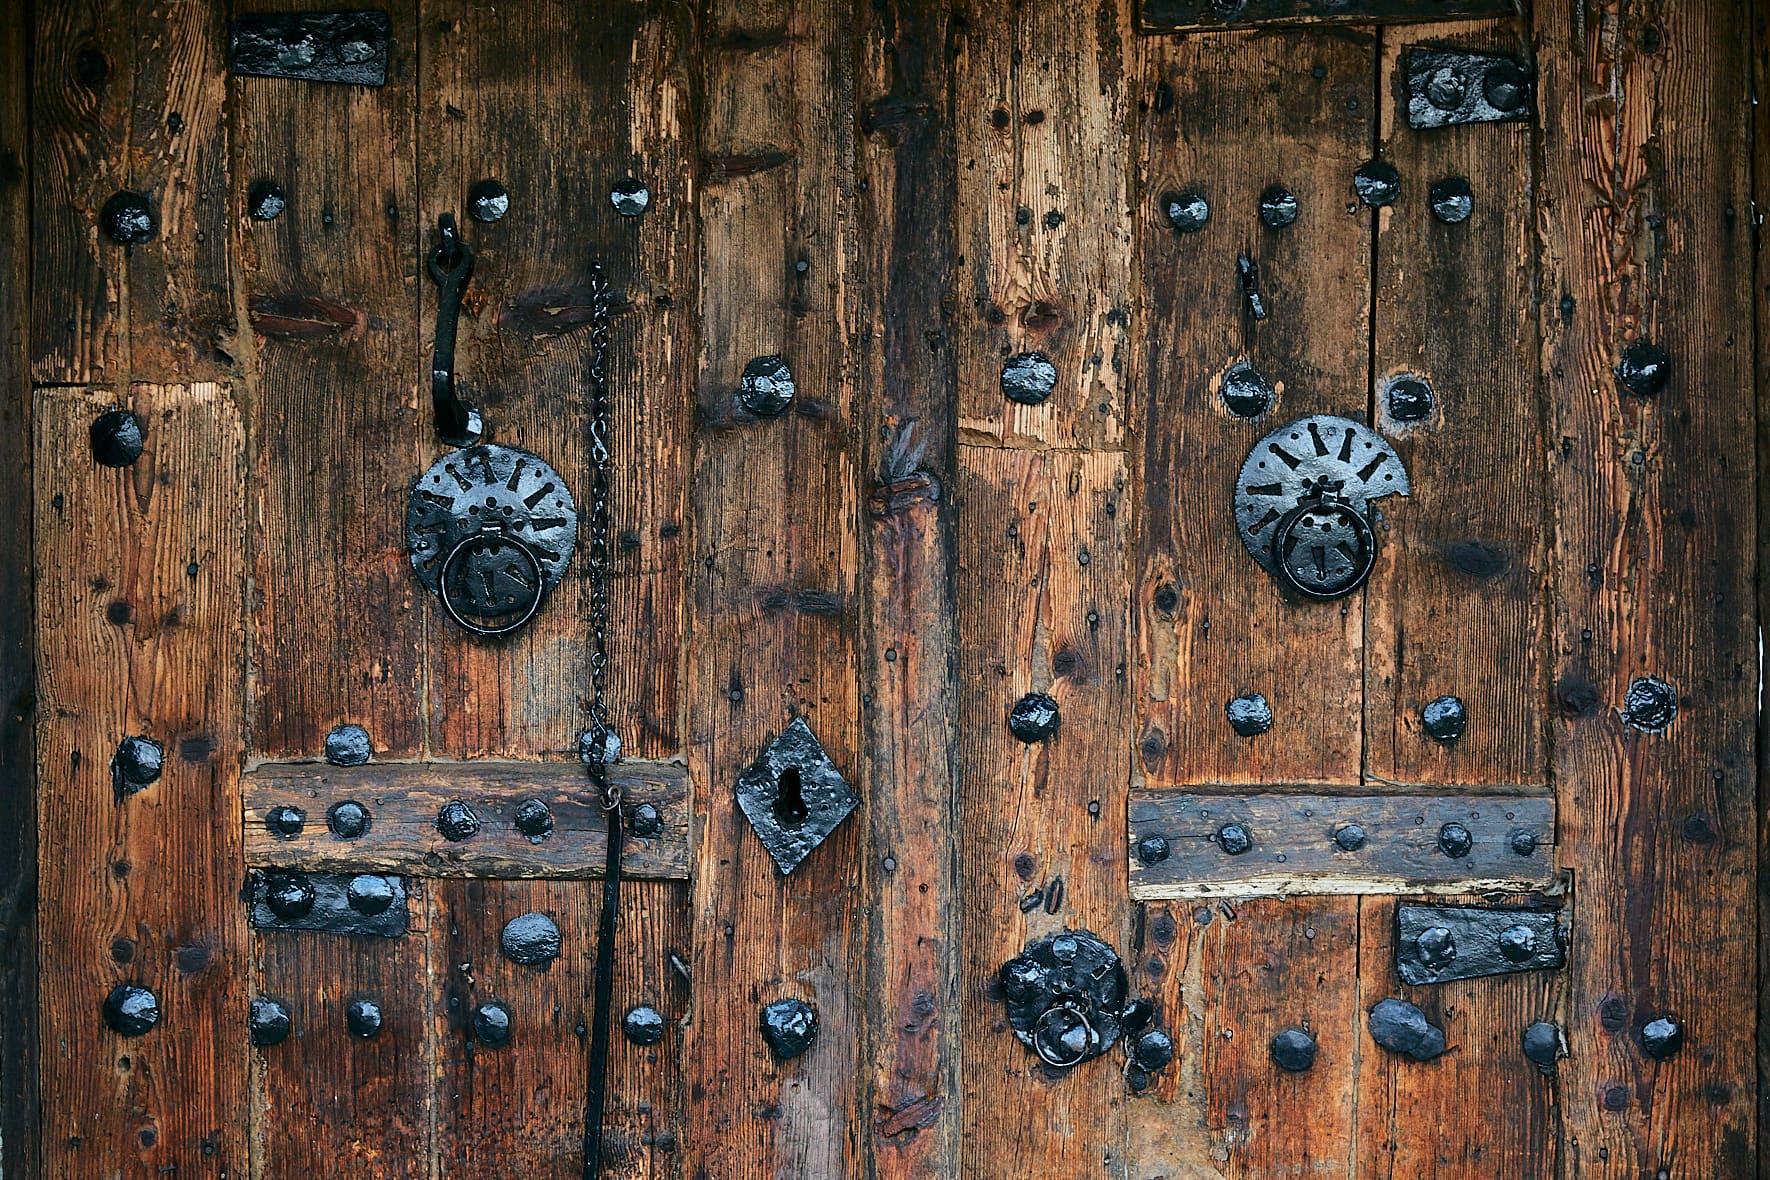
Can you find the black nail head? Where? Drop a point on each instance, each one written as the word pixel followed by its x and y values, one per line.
pixel 1542 1045
pixel 1187 212
pixel 488 201
pixel 1436 946
pixel 1523 842
pixel 369 894
pixel 1651 704
pixel 1518 943
pixel 1293 1050
pixel 1350 837
pixel 286 822
pixel 1136 1015
pixel 131 1009
pixel 1034 717
pixel 531 940
pixel 646 821
pixel 1152 849
pixel 1377 183
pixel 266 200
pixel 348 820
pixel 643 1025
pixel 128 218
pixel 534 819
pixel 629 197
pixel 1410 399
pixel 608 755
pixel 1447 89
pixel 1506 86
pixel 1400 1027
pixel 1234 839
pixel 1278 208
pixel 136 765
pixel 116 438
pixel 1249 714
pixel 1454 840
pixel 789 1027
pixel 1659 1039
pixel 1452 200
pixel 1246 392
pixel 1029 378
pixel 457 821
pixel 1154 1051
pixel 1445 718
pixel 767 387
pixel 1644 369
pixel 363 1018
pixel 349 745
pixel 269 1022
pixel 491 1024
pixel 289 896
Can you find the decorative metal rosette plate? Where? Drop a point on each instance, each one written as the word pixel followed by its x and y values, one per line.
pixel 1303 502
pixel 1066 995
pixel 491 530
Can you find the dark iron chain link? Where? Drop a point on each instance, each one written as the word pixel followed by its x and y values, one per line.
pixel 601 491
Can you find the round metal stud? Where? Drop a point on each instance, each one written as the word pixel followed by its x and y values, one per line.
pixel 128 219
pixel 348 820
pixel 1278 207
pixel 1455 840
pixel 1377 183
pixel 363 1018
pixel 1293 1050
pixel 285 822
pixel 268 1020
pixel 491 1024
pixel 531 940
pixel 1029 378
pixel 116 437
pixel 789 1027
pixel 766 388
pixel 1034 718
pixel 643 1025
pixel 487 201
pixel 131 1010
pixel 534 819
pixel 630 197
pixel 349 745
pixel 1187 212
pixel 1234 839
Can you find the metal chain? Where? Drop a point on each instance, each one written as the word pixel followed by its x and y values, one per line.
pixel 601 485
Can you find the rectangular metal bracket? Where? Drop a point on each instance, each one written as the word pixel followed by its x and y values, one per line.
pixel 346 47
pixel 1447 87
pixel 1192 16
pixel 1439 943
pixel 327 903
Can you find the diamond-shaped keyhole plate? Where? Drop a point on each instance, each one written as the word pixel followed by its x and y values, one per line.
pixel 794 796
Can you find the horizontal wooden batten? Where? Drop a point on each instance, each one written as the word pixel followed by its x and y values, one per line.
pixel 1203 16
pixel 1294 844
pixel 404 800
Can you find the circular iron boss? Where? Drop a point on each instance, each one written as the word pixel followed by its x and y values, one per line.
pixel 500 524
pixel 1326 549
pixel 1065 995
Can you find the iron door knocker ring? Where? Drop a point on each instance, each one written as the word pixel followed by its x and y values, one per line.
pixel 490 541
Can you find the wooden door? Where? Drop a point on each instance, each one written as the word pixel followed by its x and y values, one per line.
pixel 1022 394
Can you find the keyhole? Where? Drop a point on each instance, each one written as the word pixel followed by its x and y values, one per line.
pixel 789 802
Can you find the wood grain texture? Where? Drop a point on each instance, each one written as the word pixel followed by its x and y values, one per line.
pixel 1645 235
pixel 1456 603
pixel 1761 306
pixel 1212 624
pixel 404 799
pixel 142 632
pixel 1044 553
pixel 18 677
pixel 1043 217
pixel 776 567
pixel 907 378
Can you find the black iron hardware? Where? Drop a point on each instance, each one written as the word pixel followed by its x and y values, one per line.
pixel 1187 212
pixel 1447 87
pixel 1067 997
pixel 766 388
pixel 266 200
pixel 330 903
pixel 1034 717
pixel 129 219
pixel 1293 1050
pixel 491 530
pixel 116 438
pixel 630 197
pixel 487 201
pixel 1028 378
pixel 643 1025
pixel 131 1010
pixel 1303 503
pixel 1662 1037
pixel 349 745
pixel 1651 705
pixel 794 796
pixel 269 1021
pixel 363 1018
pixel 531 940
pixel 451 265
pixel 1452 200
pixel 1543 1045
pixel 1400 1027
pixel 1436 944
pixel 789 1026
pixel 491 1024
pixel 1211 15
pixel 136 765
pixel 313 46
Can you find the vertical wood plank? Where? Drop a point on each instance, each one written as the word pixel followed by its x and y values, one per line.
pixel 1455 605
pixel 139 612
pixel 1040 103
pixel 908 382
pixel 775 521
pixel 1227 117
pixel 1761 288
pixel 1164 1137
pixel 18 803
pixel 1646 236
pixel 1043 560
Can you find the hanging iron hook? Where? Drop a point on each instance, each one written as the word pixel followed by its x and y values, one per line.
pixel 451 265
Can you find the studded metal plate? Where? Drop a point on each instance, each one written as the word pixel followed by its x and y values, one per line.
pixel 1303 499
pixel 1436 944
pixel 331 903
pixel 1448 87
pixel 493 508
pixel 1066 996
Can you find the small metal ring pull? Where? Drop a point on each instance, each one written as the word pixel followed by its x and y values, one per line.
pixel 1324 548
pixel 1064 1037
pixel 492 538
pixel 451 265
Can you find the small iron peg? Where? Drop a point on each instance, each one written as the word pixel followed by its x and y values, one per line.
pixel 451 265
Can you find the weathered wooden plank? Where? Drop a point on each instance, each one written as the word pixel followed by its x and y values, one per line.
pixel 1044 556
pixel 129 99
pixel 1646 236
pixel 1203 16
pixel 140 619
pixel 500 85
pixel 1214 626
pixel 1297 843
pixel 1162 1121
pixel 1043 218
pixel 776 555
pixel 340 419
pixel 902 327
pixel 404 801
pixel 18 803
pixel 1761 287
pixel 1455 606
pixel 1482 1109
